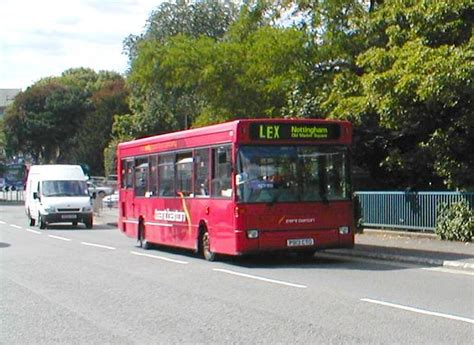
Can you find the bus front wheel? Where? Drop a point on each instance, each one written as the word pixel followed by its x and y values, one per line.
pixel 206 246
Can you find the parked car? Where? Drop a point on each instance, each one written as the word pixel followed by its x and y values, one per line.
pixel 111 200
pixel 100 191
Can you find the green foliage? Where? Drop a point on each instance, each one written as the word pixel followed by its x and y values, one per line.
pixel 247 74
pixel 44 119
pixel 3 141
pixel 67 119
pixel 455 222
pixel 95 133
pixel 412 82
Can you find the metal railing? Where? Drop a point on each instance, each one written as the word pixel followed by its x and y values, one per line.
pixel 12 195
pixel 405 210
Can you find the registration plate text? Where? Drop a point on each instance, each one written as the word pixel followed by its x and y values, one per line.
pixel 297 242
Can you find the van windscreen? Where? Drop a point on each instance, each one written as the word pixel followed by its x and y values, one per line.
pixel 64 188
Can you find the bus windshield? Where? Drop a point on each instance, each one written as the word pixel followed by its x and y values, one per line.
pixel 272 174
pixel 64 188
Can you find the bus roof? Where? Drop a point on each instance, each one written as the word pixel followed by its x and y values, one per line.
pixel 219 134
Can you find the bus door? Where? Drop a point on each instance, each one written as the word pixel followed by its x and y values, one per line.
pixel 127 196
pixel 140 187
pixel 221 209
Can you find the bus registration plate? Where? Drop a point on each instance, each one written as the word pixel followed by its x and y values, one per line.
pixel 68 216
pixel 300 242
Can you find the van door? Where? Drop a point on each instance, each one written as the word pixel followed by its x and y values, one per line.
pixel 33 204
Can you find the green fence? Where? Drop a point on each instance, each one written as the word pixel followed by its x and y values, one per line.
pixel 405 210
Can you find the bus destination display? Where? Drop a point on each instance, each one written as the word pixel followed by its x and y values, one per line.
pixel 297 132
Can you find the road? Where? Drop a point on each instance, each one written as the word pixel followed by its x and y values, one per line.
pixel 72 285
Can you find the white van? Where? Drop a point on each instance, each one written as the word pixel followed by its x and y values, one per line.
pixel 58 193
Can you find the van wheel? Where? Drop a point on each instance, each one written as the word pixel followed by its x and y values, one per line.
pixel 88 223
pixel 206 246
pixel 41 222
pixel 32 220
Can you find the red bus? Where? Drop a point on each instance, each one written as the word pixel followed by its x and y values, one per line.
pixel 241 187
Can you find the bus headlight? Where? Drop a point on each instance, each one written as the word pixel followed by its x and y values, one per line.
pixel 344 230
pixel 252 233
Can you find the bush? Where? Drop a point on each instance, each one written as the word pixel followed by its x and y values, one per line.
pixel 455 222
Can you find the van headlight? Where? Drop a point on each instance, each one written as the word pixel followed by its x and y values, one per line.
pixel 49 209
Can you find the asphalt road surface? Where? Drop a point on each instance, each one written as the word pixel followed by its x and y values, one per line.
pixel 76 286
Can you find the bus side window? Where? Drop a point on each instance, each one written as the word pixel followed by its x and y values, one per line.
pixel 127 174
pixel 141 176
pixel 184 174
pixel 166 175
pixel 221 185
pixel 201 161
pixel 153 178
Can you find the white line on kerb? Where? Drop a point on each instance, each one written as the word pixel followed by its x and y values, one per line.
pixel 34 231
pixel 60 238
pixel 420 311
pixel 97 245
pixel 260 278
pixel 16 226
pixel 448 270
pixel 160 258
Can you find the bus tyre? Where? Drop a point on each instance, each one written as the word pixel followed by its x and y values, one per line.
pixel 206 247
pixel 141 235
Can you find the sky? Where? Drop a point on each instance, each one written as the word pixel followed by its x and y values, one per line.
pixel 44 38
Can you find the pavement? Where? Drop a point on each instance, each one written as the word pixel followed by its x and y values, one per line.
pixel 398 246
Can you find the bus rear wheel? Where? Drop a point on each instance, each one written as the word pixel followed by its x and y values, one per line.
pixel 206 246
pixel 141 237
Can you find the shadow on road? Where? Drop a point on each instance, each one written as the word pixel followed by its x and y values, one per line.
pixel 79 227
pixel 320 261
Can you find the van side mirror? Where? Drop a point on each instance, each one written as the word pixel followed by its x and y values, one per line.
pixel 35 195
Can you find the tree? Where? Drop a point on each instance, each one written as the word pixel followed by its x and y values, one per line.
pixel 67 119
pixel 158 105
pixel 401 71
pixel 43 120
pixel 95 132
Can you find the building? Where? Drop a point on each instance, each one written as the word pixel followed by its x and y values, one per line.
pixel 6 97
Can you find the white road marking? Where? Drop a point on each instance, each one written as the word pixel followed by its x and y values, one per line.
pixel 60 238
pixel 160 258
pixel 34 231
pixel 393 263
pixel 260 278
pixel 97 245
pixel 420 311
pixel 448 270
pixel 2 222
pixel 15 226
